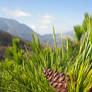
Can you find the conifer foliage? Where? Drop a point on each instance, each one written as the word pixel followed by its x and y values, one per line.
pixel 67 69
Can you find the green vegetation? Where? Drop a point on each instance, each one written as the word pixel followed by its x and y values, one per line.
pixel 22 71
pixel 82 29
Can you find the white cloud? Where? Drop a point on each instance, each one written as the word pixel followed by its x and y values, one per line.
pixel 16 13
pixel 46 19
pixel 33 27
pixel 44 23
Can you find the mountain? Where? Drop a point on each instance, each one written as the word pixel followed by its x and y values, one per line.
pixel 6 41
pixel 49 37
pixel 23 31
pixel 17 29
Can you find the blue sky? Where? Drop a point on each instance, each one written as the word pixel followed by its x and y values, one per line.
pixel 41 15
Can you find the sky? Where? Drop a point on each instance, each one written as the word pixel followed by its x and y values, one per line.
pixel 42 15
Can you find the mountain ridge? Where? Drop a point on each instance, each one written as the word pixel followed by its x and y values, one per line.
pixel 23 31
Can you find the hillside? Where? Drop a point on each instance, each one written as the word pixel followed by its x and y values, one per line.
pixel 15 28
pixel 6 41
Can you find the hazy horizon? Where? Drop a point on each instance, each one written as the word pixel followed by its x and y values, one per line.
pixel 42 15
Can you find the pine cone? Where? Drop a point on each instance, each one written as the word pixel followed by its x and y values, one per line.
pixel 57 80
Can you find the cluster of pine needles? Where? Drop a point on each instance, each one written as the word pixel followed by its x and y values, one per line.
pixel 22 71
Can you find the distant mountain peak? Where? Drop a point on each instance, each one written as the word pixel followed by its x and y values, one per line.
pixel 23 31
pixel 15 28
